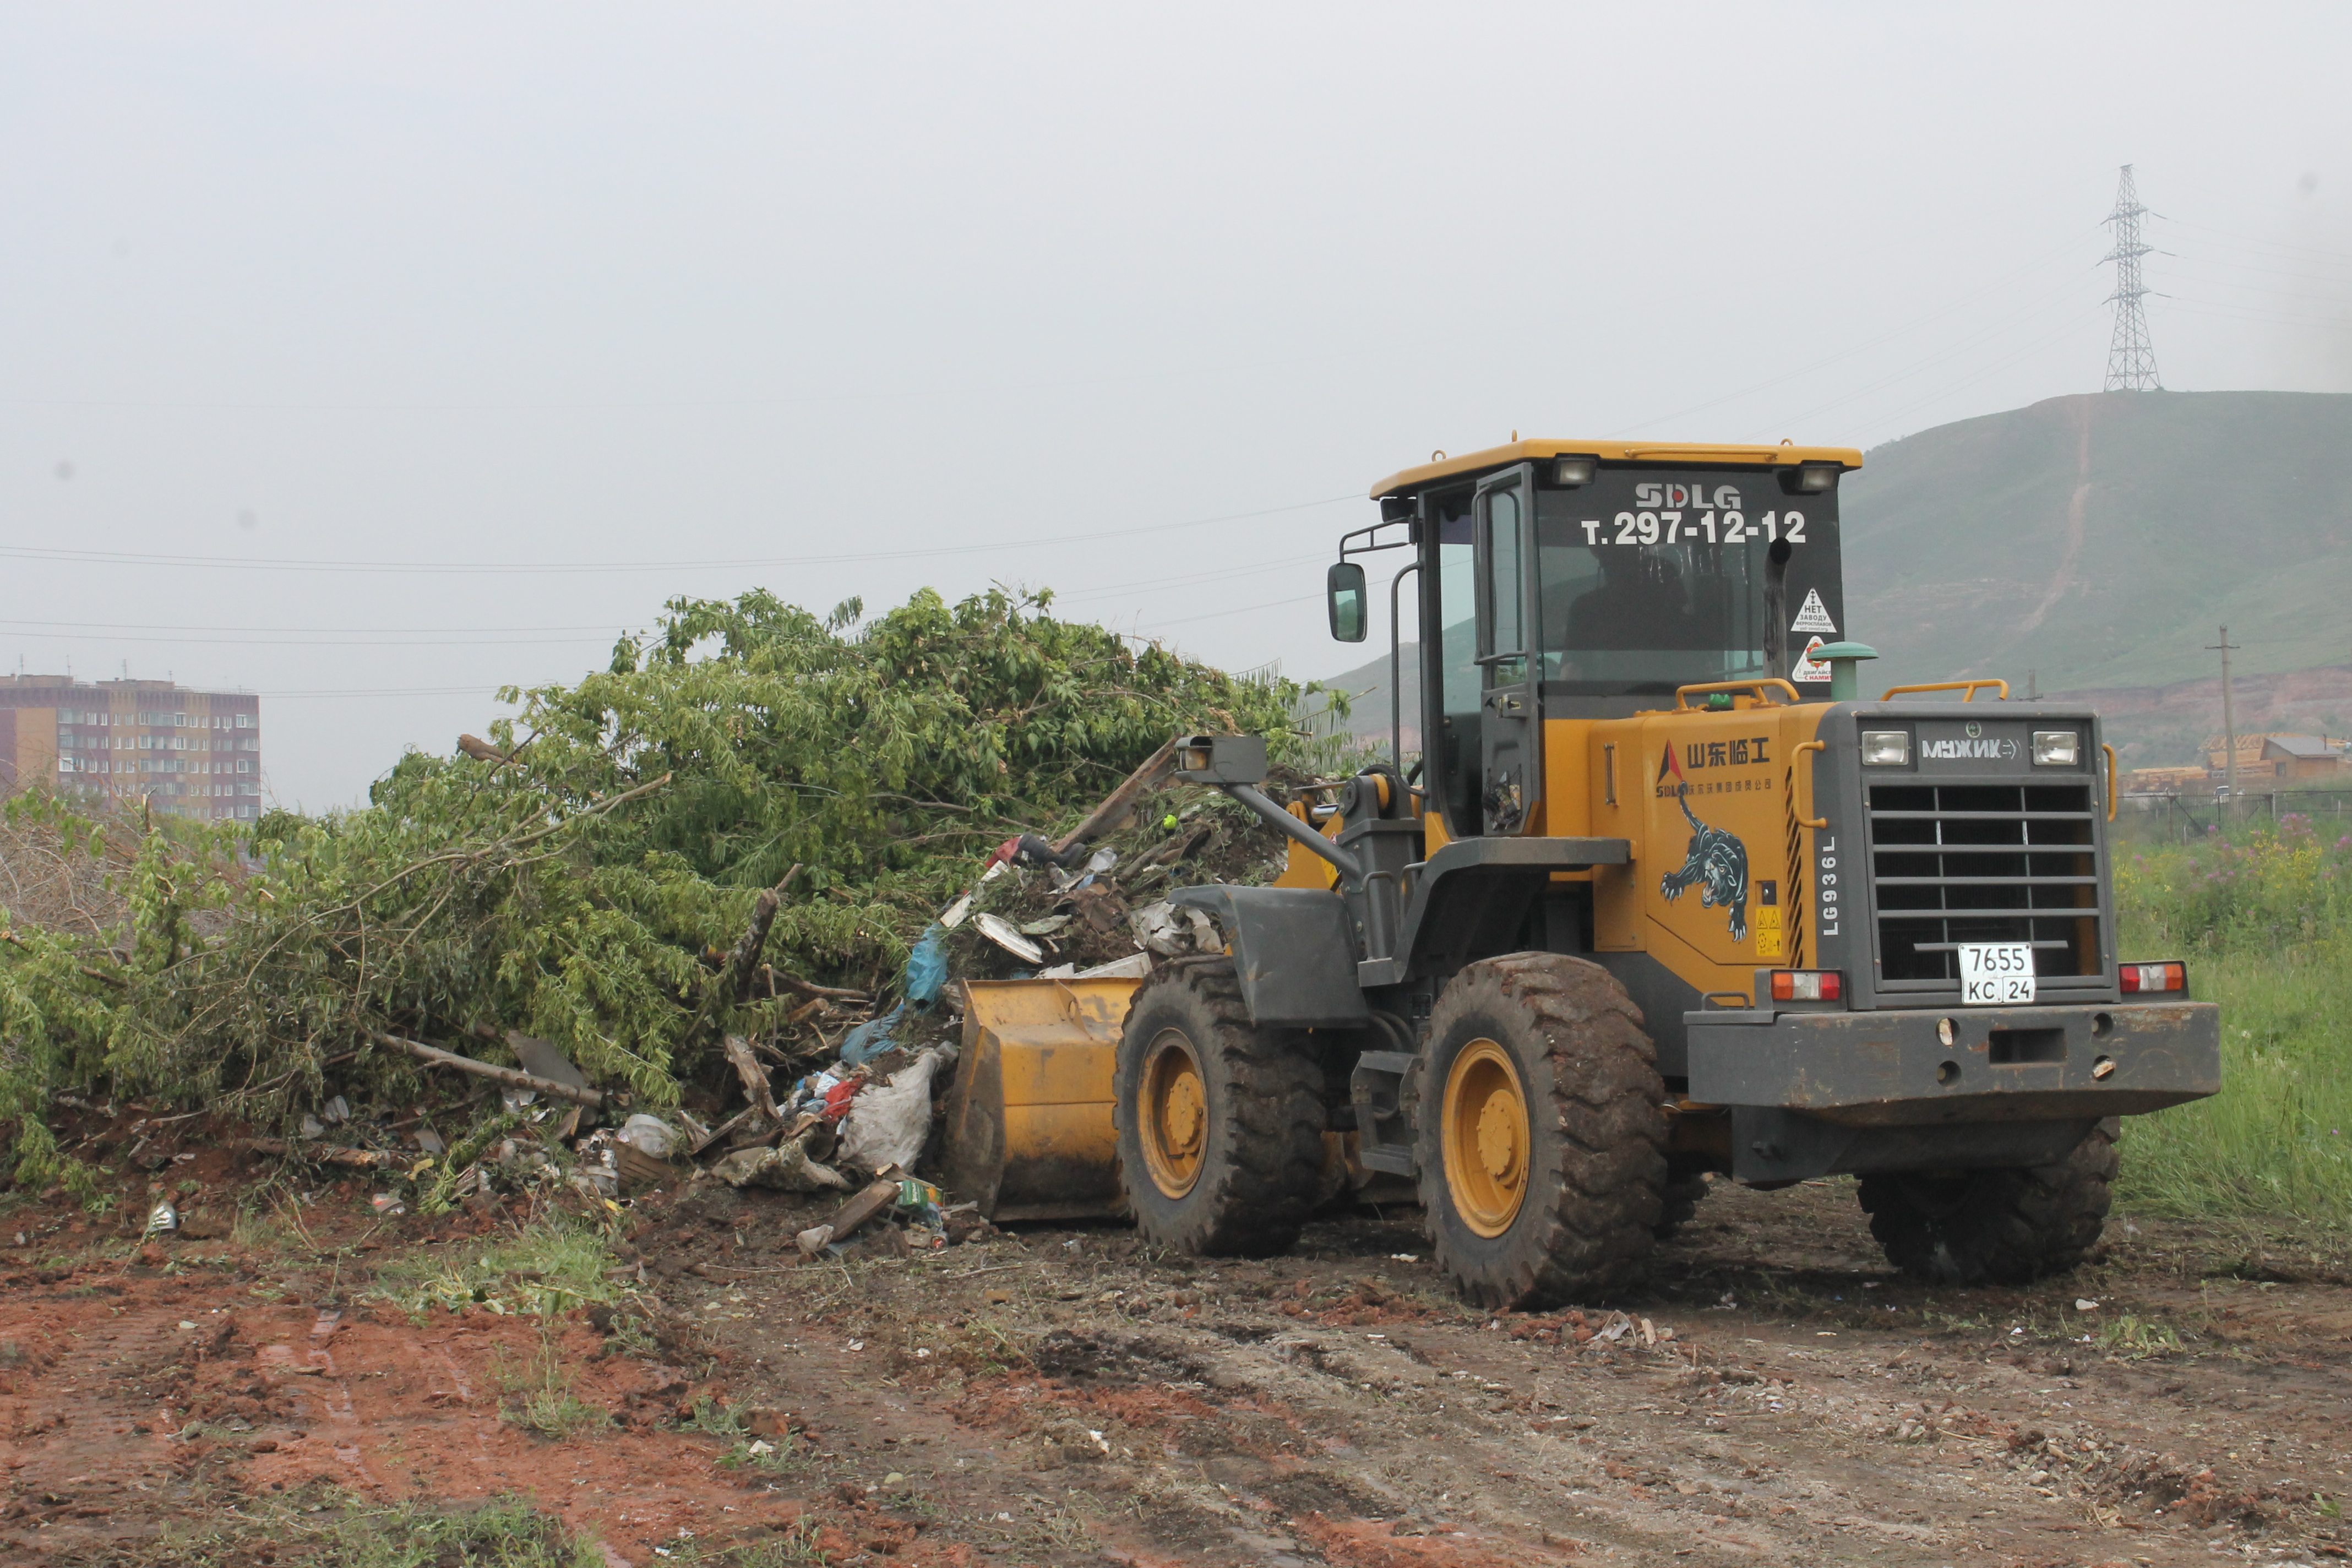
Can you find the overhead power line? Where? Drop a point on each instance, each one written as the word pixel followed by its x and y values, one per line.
pixel 491 568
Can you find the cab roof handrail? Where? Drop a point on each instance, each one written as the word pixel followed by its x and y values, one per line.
pixel 1967 686
pixel 1758 687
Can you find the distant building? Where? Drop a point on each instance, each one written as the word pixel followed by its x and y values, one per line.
pixel 2275 756
pixel 2303 756
pixel 191 753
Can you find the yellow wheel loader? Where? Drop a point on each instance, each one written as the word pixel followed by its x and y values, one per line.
pixel 1666 894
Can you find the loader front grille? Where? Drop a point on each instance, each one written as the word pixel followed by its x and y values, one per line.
pixel 1983 861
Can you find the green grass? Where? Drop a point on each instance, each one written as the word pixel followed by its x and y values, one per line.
pixel 539 1397
pixel 507 1533
pixel 552 1267
pixel 2278 1138
pixel 2265 924
pixel 2129 1338
pixel 328 1527
pixel 713 1419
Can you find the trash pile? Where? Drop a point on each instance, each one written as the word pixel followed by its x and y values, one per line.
pixel 857 1121
pixel 861 1122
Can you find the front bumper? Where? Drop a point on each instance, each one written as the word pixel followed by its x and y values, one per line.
pixel 1817 1091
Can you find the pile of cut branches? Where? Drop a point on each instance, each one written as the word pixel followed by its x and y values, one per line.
pixel 580 876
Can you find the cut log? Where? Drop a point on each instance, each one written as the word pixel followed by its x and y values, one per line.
pixel 1117 805
pixel 708 1136
pixel 745 964
pixel 880 1196
pixel 635 1170
pixel 754 1077
pixel 511 1076
pixel 364 1159
pixel 808 988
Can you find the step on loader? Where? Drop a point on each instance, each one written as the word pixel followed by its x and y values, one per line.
pixel 1663 895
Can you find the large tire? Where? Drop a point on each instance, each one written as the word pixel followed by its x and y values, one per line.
pixel 1220 1122
pixel 1540 1136
pixel 1997 1227
pixel 1681 1198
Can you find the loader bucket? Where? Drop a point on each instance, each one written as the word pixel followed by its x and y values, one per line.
pixel 1029 1132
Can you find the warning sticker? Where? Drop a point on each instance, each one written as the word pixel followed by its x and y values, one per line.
pixel 1808 667
pixel 1814 617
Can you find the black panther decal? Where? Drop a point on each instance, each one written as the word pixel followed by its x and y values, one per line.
pixel 1716 864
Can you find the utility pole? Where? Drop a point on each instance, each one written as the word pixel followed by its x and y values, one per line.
pixel 2229 721
pixel 2131 361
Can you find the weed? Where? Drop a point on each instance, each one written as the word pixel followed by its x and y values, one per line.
pixel 2328 1507
pixel 770 1457
pixel 255 1230
pixel 713 1419
pixel 549 1267
pixel 633 1336
pixel 2130 1338
pixel 796 1544
pixel 2264 918
pixel 986 1350
pixel 540 1396
pixel 1056 1526
pixel 327 1525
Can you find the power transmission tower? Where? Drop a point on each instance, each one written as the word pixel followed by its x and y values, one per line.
pixel 2131 362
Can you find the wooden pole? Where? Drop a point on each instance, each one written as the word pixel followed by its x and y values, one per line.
pixel 511 1076
pixel 1119 802
pixel 366 1159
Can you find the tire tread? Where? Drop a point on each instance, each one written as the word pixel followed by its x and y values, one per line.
pixel 1601 1202
pixel 2015 1226
pixel 1254 1203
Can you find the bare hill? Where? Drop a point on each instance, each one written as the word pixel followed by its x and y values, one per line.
pixel 2099 540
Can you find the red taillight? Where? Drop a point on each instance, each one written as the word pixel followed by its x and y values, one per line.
pixel 2140 978
pixel 1807 986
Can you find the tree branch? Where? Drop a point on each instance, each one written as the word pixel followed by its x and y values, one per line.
pixel 512 1078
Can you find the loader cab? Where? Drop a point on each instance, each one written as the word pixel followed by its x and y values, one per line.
pixel 1578 581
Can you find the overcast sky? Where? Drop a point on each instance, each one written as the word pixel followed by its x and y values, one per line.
pixel 852 299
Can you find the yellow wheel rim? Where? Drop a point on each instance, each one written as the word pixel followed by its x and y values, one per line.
pixel 1486 1138
pixel 1174 1115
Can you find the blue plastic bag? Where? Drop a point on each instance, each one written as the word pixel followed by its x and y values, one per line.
pixel 927 967
pixel 870 1039
pixel 925 977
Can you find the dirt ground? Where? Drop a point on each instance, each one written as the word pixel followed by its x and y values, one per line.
pixel 1052 1395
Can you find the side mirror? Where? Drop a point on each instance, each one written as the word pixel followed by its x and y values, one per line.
pixel 1343 587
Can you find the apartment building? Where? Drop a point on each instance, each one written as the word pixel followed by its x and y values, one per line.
pixel 190 754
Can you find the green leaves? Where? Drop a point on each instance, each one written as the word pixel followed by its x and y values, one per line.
pixel 886 757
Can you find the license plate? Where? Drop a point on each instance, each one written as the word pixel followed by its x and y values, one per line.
pixel 1996 973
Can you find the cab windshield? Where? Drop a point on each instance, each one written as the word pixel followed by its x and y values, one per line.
pixel 1642 599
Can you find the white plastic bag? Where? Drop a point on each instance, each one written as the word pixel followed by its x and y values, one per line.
pixel 1171 932
pixel 887 1122
pixel 649 1135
